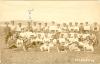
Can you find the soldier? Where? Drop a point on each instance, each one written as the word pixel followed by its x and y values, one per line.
pixel 19 28
pixel 88 45
pixel 39 39
pixel 70 27
pixel 46 28
pixel 39 27
pixel 7 32
pixel 34 27
pixel 29 27
pixel 58 28
pixel 81 28
pixel 76 37
pixel 87 27
pixel 93 39
pixel 70 38
pixel 46 38
pixel 61 39
pixel 65 28
pixel 85 35
pixel 53 27
pixel 96 31
pixel 95 28
pixel 81 38
pixel 65 35
pixel 13 27
pixel 53 23
pixel 76 27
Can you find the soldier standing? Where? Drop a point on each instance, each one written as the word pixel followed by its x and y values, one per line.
pixel 29 27
pixel 7 32
pixel 87 27
pixel 70 27
pixel 34 27
pixel 81 28
pixel 13 27
pixel 76 27
pixel 19 28
pixel 95 27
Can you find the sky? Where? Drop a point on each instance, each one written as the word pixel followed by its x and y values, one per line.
pixel 47 11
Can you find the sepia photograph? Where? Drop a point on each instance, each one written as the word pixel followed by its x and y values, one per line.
pixel 50 32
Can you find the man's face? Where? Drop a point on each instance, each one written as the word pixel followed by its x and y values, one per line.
pixel 86 23
pixel 95 23
pixel 20 24
pixel 34 23
pixel 39 24
pixel 53 23
pixel 58 25
pixel 12 22
pixel 76 23
pixel 81 24
pixel 45 24
pixel 70 23
pixel 64 24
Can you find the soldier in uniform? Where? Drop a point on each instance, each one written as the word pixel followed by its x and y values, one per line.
pixel 46 38
pixel 7 32
pixel 39 39
pixel 76 27
pixel 76 37
pixel 61 39
pixel 96 31
pixel 46 28
pixel 70 27
pixel 58 28
pixel 87 27
pixel 53 27
pixel 13 27
pixel 65 28
pixel 81 28
pixel 53 23
pixel 95 27
pixel 34 27
pixel 19 28
pixel 29 27
pixel 39 27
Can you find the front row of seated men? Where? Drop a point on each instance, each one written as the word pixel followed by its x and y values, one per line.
pixel 74 41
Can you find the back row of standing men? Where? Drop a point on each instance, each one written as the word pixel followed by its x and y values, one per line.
pixel 45 27
pixel 40 27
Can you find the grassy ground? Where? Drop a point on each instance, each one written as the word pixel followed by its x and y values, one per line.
pixel 34 56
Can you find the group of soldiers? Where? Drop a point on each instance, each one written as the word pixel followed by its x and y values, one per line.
pixel 77 36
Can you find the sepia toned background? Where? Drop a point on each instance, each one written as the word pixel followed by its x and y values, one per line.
pixel 47 11
pixel 59 11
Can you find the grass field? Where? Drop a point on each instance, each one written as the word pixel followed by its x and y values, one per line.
pixel 34 56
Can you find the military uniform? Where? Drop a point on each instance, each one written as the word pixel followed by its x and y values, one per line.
pixel 7 32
